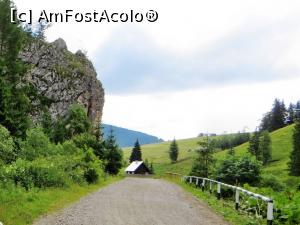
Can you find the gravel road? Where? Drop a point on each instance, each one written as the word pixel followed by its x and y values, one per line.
pixel 136 201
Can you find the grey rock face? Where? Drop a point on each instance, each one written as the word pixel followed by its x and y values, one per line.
pixel 60 44
pixel 62 78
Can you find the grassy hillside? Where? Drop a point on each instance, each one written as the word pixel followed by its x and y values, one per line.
pixel 158 154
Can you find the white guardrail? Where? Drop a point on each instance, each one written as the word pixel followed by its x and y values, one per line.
pixel 201 181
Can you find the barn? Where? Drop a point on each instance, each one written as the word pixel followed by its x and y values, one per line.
pixel 137 167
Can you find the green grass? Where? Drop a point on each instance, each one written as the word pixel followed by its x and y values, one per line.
pixel 19 207
pixel 158 154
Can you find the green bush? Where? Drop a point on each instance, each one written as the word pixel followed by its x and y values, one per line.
pixel 272 182
pixel 234 170
pixel 87 140
pixel 7 151
pixel 77 121
pixel 36 144
pixel 91 175
pixel 39 173
pixel 92 166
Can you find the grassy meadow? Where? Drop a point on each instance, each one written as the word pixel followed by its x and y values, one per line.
pixel 158 154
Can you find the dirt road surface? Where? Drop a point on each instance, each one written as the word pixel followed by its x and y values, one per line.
pixel 136 201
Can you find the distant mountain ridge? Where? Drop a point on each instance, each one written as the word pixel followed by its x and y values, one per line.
pixel 127 138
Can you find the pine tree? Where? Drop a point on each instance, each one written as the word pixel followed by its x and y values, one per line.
pixel 136 154
pixel 203 163
pixel 291 114
pixel 265 147
pixel 173 151
pixel 14 101
pixel 297 111
pixel 254 146
pixel 113 155
pixel 278 115
pixel 266 122
pixel 294 164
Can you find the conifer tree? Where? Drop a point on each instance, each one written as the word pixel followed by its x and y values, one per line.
pixel 294 164
pixel 14 101
pixel 291 114
pixel 265 147
pixel 136 154
pixel 113 155
pixel 297 111
pixel 266 122
pixel 173 151
pixel 203 163
pixel 254 146
pixel 277 115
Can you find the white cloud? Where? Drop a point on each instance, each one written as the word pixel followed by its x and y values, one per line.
pixel 185 114
pixel 193 43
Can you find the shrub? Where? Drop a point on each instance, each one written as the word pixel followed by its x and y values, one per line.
pixel 239 170
pixel 91 166
pixel 272 182
pixel 69 148
pixel 39 173
pixel 91 175
pixel 36 144
pixel 7 152
pixel 77 121
pixel 87 140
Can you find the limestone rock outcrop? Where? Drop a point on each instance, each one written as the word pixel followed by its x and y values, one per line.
pixel 62 78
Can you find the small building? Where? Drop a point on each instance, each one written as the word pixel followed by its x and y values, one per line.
pixel 137 167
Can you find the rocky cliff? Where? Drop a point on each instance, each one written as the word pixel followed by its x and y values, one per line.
pixel 62 78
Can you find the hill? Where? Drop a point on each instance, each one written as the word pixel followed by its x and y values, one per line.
pixel 158 154
pixel 127 138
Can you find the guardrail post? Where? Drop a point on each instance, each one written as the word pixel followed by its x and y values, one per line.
pixel 210 186
pixel 270 213
pixel 237 198
pixel 219 191
pixel 197 182
pixel 191 180
pixel 203 184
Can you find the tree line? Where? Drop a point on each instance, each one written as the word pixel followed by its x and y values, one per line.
pixel 247 169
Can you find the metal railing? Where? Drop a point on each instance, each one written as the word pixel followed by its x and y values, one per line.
pixel 201 181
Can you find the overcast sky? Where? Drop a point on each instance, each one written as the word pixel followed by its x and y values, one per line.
pixel 204 66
